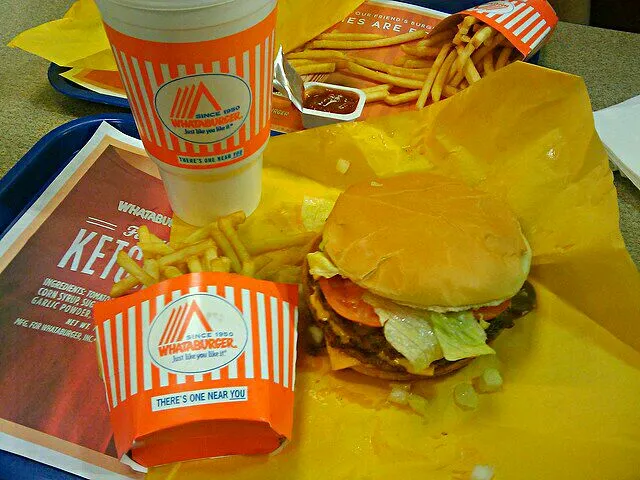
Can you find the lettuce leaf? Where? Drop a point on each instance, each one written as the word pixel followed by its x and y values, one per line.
pixel 410 335
pixel 315 211
pixel 423 336
pixel 407 330
pixel 459 335
pixel 321 266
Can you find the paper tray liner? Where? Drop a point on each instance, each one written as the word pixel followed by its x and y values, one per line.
pixel 571 368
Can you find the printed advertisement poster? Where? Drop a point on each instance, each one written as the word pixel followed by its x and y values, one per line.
pixel 56 262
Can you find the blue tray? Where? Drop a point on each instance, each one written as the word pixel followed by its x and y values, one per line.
pixel 28 178
pixel 15 467
pixel 19 188
pixel 73 90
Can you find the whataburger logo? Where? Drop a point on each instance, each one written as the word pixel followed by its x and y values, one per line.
pixel 204 108
pixel 496 7
pixel 197 333
pixel 187 101
pixel 173 337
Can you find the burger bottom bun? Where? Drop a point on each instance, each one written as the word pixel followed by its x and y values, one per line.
pixel 445 369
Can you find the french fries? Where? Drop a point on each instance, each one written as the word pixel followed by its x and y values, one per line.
pixel 194 264
pixel 339 78
pixel 169 272
pixel 417 63
pixel 150 249
pixel 216 247
pixel 430 67
pixel 399 98
pixel 471 73
pixel 418 51
pixel 181 256
pixel 296 62
pixel 133 269
pixel 221 264
pixel 310 68
pixel 271 244
pixel 503 58
pixel 443 74
pixel 316 54
pixel 151 267
pixel 349 36
pixel 412 95
pixel 123 286
pixel 223 242
pixel 391 69
pixel 384 77
pixel 437 64
pixel 399 61
pixel 357 45
pixel 198 252
pixel 377 93
pixel 437 39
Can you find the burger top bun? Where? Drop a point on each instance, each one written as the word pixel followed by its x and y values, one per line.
pixel 427 241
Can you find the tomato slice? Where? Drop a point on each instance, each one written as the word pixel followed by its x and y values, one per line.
pixel 491 312
pixel 345 297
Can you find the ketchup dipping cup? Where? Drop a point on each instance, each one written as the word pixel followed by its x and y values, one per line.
pixel 322 114
pixel 198 76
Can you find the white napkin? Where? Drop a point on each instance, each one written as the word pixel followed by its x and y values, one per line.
pixel 619 130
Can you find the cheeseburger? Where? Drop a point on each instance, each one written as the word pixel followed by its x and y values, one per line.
pixel 414 275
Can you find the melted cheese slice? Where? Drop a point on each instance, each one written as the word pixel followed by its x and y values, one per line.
pixel 340 360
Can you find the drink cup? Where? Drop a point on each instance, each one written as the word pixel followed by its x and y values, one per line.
pixel 198 76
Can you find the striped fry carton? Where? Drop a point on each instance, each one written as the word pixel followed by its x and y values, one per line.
pixel 199 366
pixel 527 24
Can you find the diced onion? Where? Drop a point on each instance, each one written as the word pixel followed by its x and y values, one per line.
pixel 465 396
pixel 314 212
pixel 401 386
pixel 489 381
pixel 399 395
pixel 342 165
pixel 317 335
pixel 321 266
pixel 482 472
pixel 419 404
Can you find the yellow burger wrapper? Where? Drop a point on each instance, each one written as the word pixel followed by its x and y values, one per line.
pixel 569 405
pixel 79 40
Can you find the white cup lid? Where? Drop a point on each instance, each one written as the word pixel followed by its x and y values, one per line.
pixel 170 4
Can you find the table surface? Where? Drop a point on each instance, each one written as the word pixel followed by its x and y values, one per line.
pixel 607 60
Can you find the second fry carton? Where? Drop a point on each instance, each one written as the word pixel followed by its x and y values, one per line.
pixel 527 24
pixel 199 366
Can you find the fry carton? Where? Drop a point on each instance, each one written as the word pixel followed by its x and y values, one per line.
pixel 527 24
pixel 199 366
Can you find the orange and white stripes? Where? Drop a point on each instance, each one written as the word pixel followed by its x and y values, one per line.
pixel 269 354
pixel 146 66
pixel 526 25
pixel 255 68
